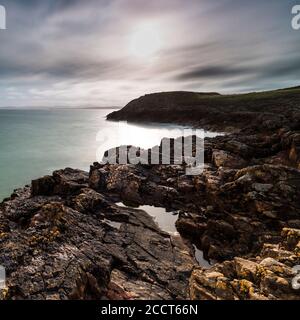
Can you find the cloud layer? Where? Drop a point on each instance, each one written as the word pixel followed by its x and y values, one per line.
pixel 77 53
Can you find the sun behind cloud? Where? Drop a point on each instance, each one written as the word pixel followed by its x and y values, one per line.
pixel 145 41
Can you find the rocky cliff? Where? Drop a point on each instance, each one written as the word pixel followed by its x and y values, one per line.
pixel 215 111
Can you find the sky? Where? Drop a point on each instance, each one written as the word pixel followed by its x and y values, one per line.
pixel 104 53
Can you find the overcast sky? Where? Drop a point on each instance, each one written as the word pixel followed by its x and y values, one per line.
pixel 107 52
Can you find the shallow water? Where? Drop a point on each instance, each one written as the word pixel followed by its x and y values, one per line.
pixel 200 258
pixel 33 143
pixel 166 221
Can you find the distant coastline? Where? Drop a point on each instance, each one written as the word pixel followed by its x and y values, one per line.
pixel 213 111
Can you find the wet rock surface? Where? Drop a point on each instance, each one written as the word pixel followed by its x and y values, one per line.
pixel 83 246
pixel 65 238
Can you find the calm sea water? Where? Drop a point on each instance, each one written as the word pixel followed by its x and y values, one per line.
pixel 34 143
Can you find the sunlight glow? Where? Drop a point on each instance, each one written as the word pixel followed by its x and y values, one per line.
pixel 145 41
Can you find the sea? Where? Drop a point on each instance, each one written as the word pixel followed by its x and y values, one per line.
pixel 34 143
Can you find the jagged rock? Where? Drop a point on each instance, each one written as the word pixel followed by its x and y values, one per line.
pixel 70 247
pixel 63 182
pixel 222 158
pixel 98 177
pixel 65 237
pixel 239 148
pixel 43 186
pixel 256 279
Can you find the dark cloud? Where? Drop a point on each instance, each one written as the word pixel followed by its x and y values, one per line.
pixel 217 71
pixel 79 69
pixel 283 68
pixel 32 4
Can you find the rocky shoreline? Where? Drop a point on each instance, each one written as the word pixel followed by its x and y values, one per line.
pixel 67 237
pixel 216 112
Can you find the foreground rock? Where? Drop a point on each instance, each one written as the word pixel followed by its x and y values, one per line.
pixel 248 191
pixel 83 246
pixel 65 238
pixel 268 276
pixel 239 209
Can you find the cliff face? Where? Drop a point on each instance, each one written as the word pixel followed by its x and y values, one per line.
pixel 65 237
pixel 215 111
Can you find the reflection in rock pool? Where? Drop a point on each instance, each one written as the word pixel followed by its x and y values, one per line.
pixel 166 221
pixel 113 224
pixel 200 258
